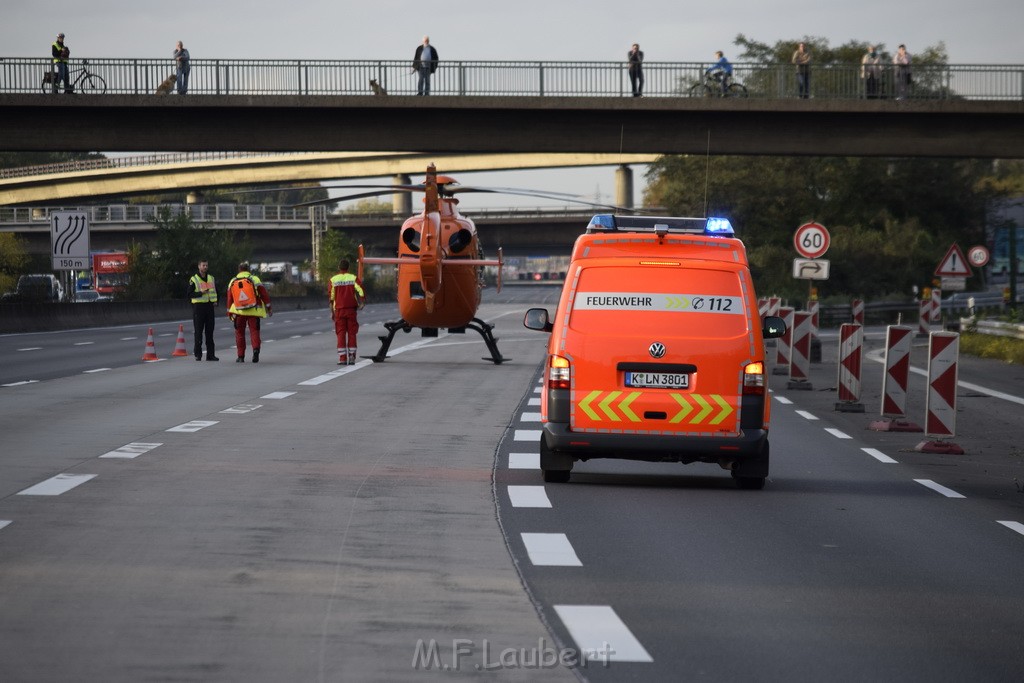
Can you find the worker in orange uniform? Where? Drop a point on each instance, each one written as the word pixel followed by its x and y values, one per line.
pixel 248 301
pixel 347 297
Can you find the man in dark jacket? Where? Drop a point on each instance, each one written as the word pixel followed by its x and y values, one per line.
pixel 424 62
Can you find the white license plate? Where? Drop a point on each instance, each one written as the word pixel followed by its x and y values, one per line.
pixel 658 380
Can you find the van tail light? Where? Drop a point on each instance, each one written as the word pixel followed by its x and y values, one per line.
pixel 753 379
pixel 558 373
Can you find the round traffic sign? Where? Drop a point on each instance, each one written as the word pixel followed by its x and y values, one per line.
pixel 978 256
pixel 811 240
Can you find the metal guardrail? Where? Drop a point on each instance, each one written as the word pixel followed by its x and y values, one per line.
pixel 994 327
pixel 513 78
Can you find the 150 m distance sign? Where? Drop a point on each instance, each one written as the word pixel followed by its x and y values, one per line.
pixel 69 240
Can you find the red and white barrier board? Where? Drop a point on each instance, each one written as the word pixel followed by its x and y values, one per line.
pixel 898 339
pixel 940 403
pixel 924 317
pixel 800 352
pixel 774 304
pixel 851 351
pixel 936 313
pixel 813 309
pixel 857 308
pixel 785 342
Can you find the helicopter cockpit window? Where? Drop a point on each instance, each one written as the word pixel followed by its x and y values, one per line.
pixel 411 237
pixel 460 240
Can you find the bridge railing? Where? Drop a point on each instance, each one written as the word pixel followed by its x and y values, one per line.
pixel 512 78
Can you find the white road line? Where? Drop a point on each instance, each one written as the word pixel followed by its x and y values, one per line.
pixel 128 338
pixel 879 357
pixel 523 461
pixel 526 435
pixel 241 409
pixel 1016 526
pixel 804 414
pixel 537 390
pixel 533 402
pixel 54 486
pixel 89 372
pixel 84 343
pixel 166 334
pixel 550 550
pixel 18 384
pixel 295 336
pixel 529 417
pixel 193 426
pixel 837 433
pixel 131 450
pixel 279 394
pixel 4 522
pixel 600 634
pixel 528 497
pixel 878 455
pixel 32 348
pixel 783 400
pixel 948 493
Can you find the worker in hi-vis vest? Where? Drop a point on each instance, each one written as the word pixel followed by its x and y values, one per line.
pixel 202 292
pixel 347 298
pixel 248 301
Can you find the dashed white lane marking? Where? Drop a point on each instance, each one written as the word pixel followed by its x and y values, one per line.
pixel 89 372
pixel 279 394
pixel 131 450
pixel 839 434
pixel 241 409
pixel 939 488
pixel 18 384
pixel 528 497
pixel 526 435
pixel 54 486
pixel 878 455
pixel 783 400
pixel 530 417
pixel 4 522
pixel 32 348
pixel 523 461
pixel 128 338
pixel 550 550
pixel 166 334
pixel 806 415
pixel 1016 526
pixel 600 634
pixel 295 336
pixel 533 402
pixel 84 343
pixel 333 374
pixel 193 426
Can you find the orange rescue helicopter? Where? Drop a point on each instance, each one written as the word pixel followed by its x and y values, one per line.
pixel 440 261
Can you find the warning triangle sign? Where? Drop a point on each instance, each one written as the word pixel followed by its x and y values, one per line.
pixel 953 264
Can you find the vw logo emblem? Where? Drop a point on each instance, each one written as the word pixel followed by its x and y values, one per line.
pixel 657 350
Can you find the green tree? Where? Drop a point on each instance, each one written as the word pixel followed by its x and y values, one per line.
pixel 161 270
pixel 13 260
pixel 335 246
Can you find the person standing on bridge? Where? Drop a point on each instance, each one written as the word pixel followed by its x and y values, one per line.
pixel 871 72
pixel 347 297
pixel 635 58
pixel 202 291
pixel 183 66
pixel 248 301
pixel 424 62
pixel 901 62
pixel 802 60
pixel 61 53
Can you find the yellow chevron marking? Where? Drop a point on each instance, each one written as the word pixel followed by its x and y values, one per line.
pixel 725 412
pixel 677 302
pixel 612 395
pixel 624 406
pixel 681 400
pixel 705 409
pixel 585 405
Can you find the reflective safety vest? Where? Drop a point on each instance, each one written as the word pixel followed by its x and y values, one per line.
pixel 203 292
pixel 345 291
pixel 240 294
pixel 58 48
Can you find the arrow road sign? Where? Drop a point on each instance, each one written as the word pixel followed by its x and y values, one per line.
pixel 69 240
pixel 810 269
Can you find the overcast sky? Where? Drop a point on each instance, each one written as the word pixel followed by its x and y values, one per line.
pixel 978 32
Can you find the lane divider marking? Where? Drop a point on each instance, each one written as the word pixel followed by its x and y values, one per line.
pixel 839 434
pixel 131 450
pixel 279 394
pixel 783 400
pixel 600 634
pixel 1016 526
pixel 21 383
pixel 241 409
pixel 533 402
pixel 193 426
pixel 4 522
pixel 806 415
pixel 939 488
pixel 54 486
pixel 527 435
pixel 89 372
pixel 529 417
pixel 32 348
pixel 528 497
pixel 879 455
pixel 550 550
pixel 524 461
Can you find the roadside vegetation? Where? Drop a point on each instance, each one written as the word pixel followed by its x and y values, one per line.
pixel 988 346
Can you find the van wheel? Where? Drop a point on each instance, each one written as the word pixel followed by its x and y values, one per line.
pixel 556 466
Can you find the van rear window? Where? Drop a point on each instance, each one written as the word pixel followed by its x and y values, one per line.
pixel 645 300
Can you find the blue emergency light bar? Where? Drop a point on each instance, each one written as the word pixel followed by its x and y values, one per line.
pixel 606 222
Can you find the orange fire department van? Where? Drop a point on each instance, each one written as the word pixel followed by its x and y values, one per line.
pixel 657 350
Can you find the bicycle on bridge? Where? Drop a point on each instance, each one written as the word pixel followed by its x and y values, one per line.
pixel 85 81
pixel 710 85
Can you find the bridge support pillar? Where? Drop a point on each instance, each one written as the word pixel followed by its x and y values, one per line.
pixel 194 197
pixel 401 202
pixel 624 186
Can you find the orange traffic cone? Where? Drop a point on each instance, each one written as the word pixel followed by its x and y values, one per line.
pixel 150 348
pixel 179 347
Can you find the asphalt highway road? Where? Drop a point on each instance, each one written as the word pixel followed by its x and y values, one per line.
pixel 297 520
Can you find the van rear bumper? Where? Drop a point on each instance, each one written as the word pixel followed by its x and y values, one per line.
pixel 752 444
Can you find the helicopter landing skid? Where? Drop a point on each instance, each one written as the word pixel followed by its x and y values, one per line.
pixel 476 324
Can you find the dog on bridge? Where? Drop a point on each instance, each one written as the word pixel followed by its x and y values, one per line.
pixel 377 88
pixel 167 86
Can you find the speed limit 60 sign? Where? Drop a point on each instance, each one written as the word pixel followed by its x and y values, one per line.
pixel 811 240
